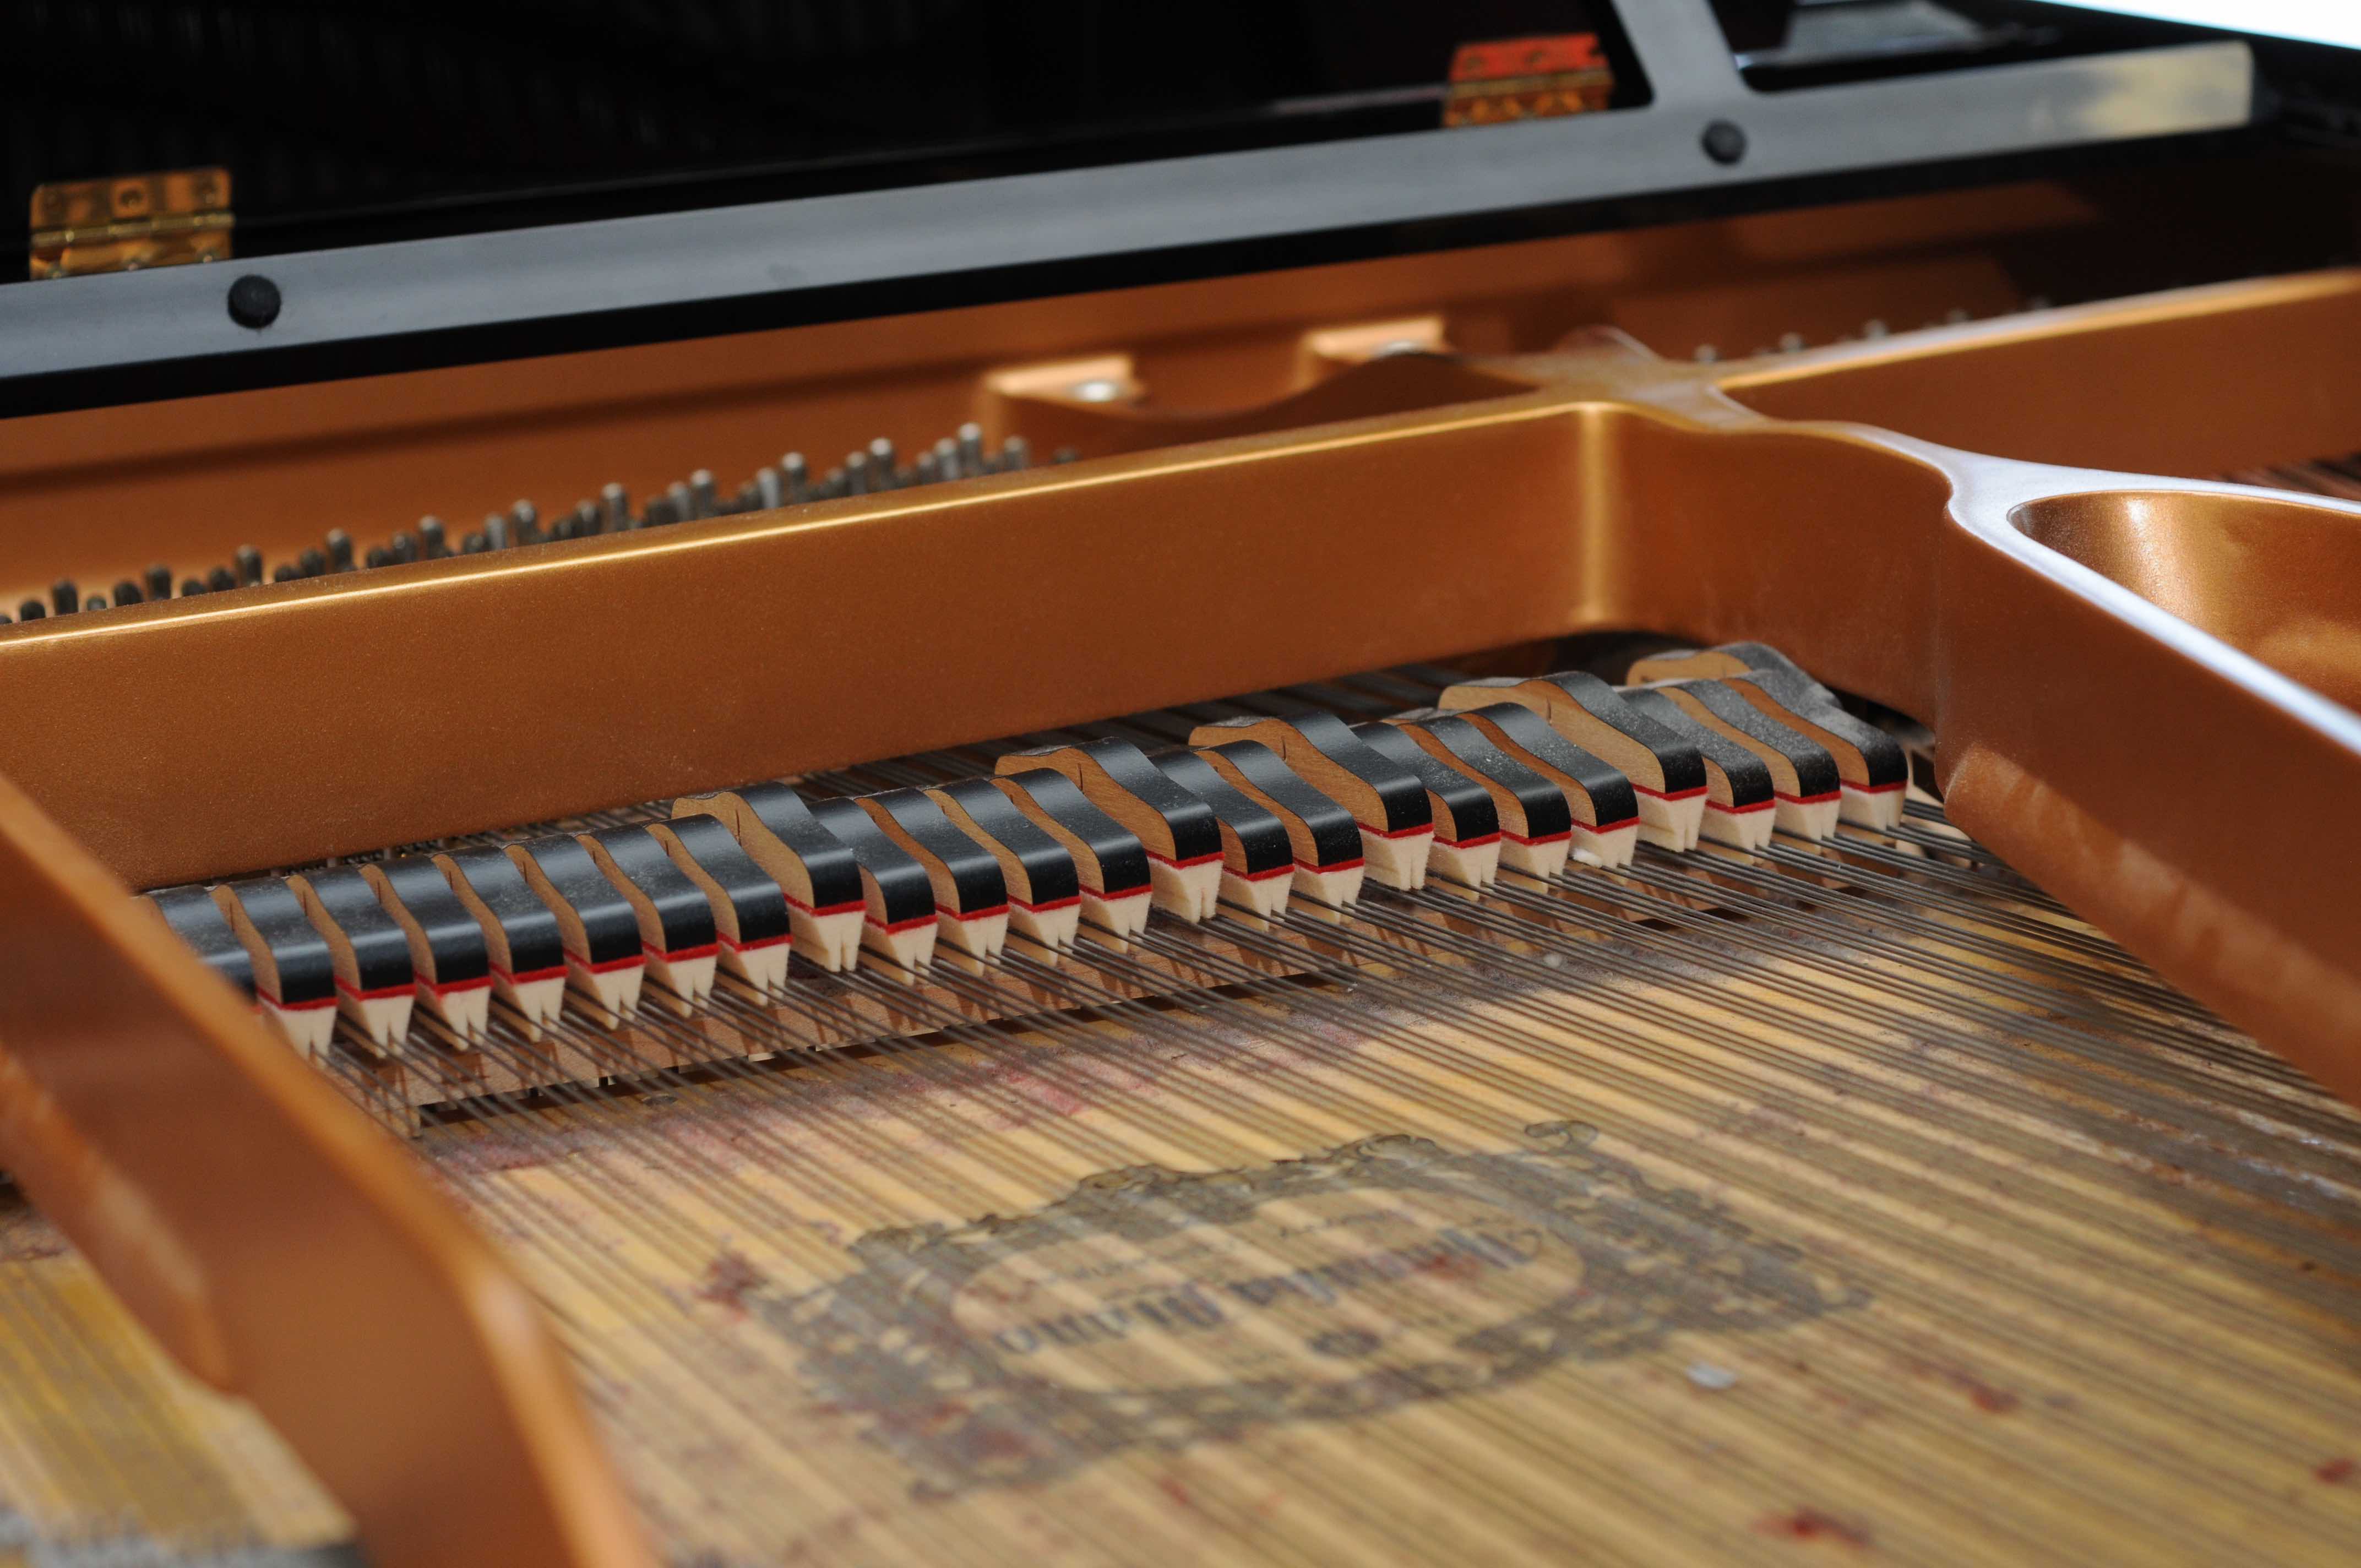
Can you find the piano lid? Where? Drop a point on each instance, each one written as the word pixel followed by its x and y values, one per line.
pixel 432 185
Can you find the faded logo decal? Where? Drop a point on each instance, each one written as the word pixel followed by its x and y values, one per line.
pixel 1152 1307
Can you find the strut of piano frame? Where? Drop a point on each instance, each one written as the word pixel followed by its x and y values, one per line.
pixel 2142 689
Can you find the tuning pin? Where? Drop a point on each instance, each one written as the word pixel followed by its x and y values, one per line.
pixel 402 547
pixel 770 489
pixel 885 467
pixel 249 564
pixel 704 500
pixel 524 520
pixel 927 470
pixel 1065 455
pixel 615 503
pixel 31 609
pixel 219 579
pixel 475 545
pixel 159 582
pixel 587 519
pixel 285 572
pixel 5 619
pixel 95 601
pixel 312 563
pixel 495 531
pixel 64 598
pixel 970 448
pixel 430 539
pixel 340 549
pixel 1014 454
pixel 192 587
pixel 377 557
pixel 128 592
pixel 796 475
pixel 856 474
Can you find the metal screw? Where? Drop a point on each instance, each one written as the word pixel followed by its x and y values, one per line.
pixel 1724 142
pixel 254 301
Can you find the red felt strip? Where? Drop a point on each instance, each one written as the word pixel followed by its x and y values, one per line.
pixel 850 907
pixel 379 993
pixel 554 971
pixel 328 1001
pixel 1185 865
pixel 636 960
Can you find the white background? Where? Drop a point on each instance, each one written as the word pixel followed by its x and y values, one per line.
pixel 2325 21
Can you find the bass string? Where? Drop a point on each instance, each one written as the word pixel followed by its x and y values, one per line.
pixel 1700 932
pixel 2068 1000
pixel 2079 1025
pixel 2061 969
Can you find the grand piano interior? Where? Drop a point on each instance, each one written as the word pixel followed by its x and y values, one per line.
pixel 857 783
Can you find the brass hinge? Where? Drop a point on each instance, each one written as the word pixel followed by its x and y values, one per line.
pixel 130 222
pixel 1527 79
